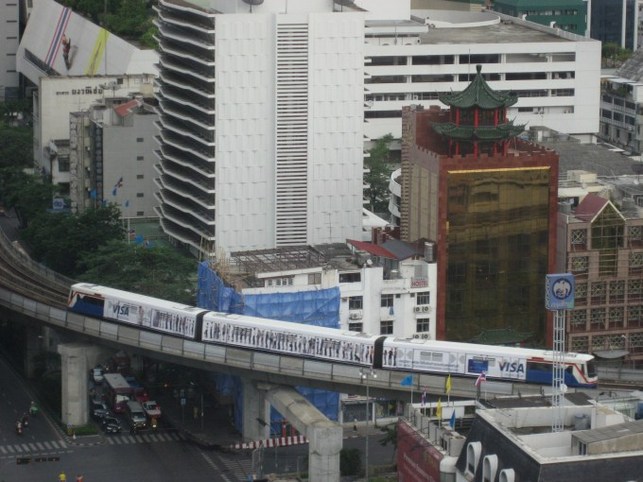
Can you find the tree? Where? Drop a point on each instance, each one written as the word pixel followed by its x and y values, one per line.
pixel 390 437
pixel 377 177
pixel 155 271
pixel 27 193
pixel 59 239
pixel 613 54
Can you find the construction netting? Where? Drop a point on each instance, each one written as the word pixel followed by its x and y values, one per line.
pixel 319 307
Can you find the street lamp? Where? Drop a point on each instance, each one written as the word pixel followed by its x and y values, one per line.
pixel 366 376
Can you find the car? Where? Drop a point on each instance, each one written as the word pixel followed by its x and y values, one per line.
pixel 98 375
pixel 152 409
pixel 110 424
pixel 99 409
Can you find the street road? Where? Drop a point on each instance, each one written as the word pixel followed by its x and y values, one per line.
pixel 162 456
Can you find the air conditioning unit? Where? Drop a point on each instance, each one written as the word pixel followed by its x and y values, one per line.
pixel 426 336
pixel 355 315
pixel 416 336
pixel 426 309
pixel 417 309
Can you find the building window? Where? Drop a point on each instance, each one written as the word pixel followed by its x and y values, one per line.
pixel 634 290
pixel 140 194
pixel 579 239
pixel 423 325
pixel 140 158
pixel 617 291
pixel 636 263
pixel 581 294
pixel 140 176
pixel 580 264
pixel 616 315
pixel 635 235
pixel 386 301
pixel 355 303
pixel 355 327
pixel 598 293
pixel 423 298
pixel 634 316
pixel 63 164
pixel 597 319
pixel 140 139
pixel 350 277
pixel 314 278
pixel 140 213
pixel 580 344
pixel 386 327
pixel 578 320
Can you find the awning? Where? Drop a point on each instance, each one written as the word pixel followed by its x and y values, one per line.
pixel 611 354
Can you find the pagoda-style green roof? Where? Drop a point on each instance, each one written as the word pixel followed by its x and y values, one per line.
pixel 479 94
pixel 485 133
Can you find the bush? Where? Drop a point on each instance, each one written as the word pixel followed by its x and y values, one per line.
pixel 350 462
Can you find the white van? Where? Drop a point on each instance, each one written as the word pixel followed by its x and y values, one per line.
pixel 136 415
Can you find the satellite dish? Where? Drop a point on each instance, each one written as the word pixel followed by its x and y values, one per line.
pixel 253 3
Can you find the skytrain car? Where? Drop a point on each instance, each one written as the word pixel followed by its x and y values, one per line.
pixel 290 338
pixel 138 310
pixel 498 362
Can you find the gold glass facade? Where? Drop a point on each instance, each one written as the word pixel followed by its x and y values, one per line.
pixel 497 237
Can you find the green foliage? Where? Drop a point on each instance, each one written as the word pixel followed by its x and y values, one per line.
pixel 131 19
pixel 350 462
pixel 59 240
pixel 157 271
pixel 26 192
pixel 16 146
pixel 377 177
pixel 390 436
pixel 614 55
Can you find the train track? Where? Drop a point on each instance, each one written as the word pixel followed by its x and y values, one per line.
pixel 22 275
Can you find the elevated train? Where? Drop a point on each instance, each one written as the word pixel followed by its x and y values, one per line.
pixel 381 352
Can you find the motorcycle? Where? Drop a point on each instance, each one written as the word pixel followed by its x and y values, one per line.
pixel 25 420
pixel 19 428
pixel 33 409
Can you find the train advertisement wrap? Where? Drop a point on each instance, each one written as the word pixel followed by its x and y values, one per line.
pixel 329 344
pixel 292 338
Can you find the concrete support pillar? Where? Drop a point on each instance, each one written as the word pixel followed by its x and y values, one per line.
pixel 256 412
pixel 325 436
pixel 75 366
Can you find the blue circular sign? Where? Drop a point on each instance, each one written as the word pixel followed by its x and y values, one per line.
pixel 561 289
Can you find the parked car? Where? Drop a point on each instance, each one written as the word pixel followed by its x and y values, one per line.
pixel 99 409
pixel 111 424
pixel 98 375
pixel 152 409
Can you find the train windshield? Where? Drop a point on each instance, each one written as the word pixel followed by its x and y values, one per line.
pixel 591 369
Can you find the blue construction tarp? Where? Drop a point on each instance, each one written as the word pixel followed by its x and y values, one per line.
pixel 318 307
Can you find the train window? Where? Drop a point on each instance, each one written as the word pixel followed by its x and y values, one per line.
pixel 541 367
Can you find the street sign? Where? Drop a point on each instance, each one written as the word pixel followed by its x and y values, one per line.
pixel 559 291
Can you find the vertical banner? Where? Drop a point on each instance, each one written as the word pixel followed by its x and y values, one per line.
pixel 560 291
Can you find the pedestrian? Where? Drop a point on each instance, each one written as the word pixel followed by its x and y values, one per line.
pixel 62 477
pixel 80 478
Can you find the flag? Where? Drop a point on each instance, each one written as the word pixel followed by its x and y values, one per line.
pixel 423 398
pixel 407 381
pixel 452 421
pixel 481 378
pixel 118 184
pixel 447 385
pixel 438 410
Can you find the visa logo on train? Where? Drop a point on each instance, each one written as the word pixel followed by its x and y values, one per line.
pixel 120 310
pixel 512 367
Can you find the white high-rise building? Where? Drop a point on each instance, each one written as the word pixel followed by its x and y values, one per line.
pixel 267 105
pixel 261 123
pixel 9 19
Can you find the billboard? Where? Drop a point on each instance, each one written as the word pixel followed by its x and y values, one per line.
pixel 59 42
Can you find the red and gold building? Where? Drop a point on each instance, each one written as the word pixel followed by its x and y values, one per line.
pixel 489 201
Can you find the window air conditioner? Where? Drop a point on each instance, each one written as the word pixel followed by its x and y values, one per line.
pixel 416 336
pixel 426 308
pixel 417 309
pixel 426 336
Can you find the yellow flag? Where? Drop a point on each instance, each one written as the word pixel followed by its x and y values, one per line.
pixel 447 385
pixel 438 410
